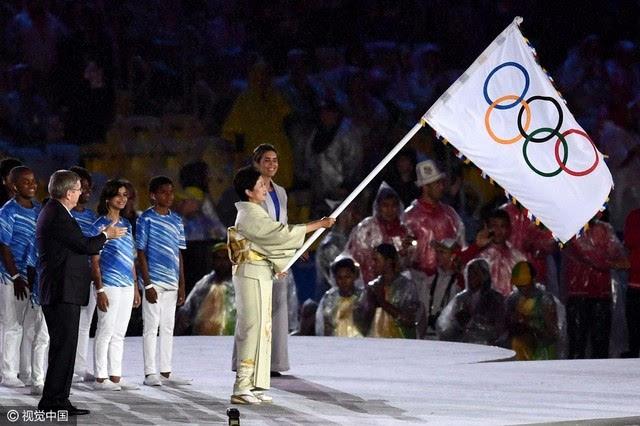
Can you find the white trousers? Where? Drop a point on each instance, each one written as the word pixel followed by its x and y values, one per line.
pixel 35 345
pixel 160 315
pixel 110 332
pixel 86 316
pixel 13 317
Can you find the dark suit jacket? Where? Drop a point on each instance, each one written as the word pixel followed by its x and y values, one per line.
pixel 63 267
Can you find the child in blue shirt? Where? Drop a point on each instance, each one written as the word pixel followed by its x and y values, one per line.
pixel 85 218
pixel 17 232
pixel 159 240
pixel 35 326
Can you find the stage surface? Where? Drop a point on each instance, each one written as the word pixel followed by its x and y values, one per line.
pixel 337 381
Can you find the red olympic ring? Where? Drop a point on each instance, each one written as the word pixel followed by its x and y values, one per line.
pixel 565 168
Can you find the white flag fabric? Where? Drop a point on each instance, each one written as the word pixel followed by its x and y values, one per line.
pixel 505 115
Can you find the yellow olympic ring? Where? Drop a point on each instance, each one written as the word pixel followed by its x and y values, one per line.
pixel 487 119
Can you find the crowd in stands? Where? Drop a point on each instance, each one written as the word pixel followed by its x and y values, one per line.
pixel 132 90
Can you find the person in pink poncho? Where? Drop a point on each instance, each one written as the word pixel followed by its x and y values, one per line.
pixel 587 264
pixel 386 225
pixel 535 242
pixel 500 254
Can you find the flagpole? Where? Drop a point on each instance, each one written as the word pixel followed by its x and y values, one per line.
pixel 367 180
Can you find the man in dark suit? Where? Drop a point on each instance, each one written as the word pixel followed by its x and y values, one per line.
pixel 64 279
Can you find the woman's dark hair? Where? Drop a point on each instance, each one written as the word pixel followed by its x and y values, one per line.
pixel 343 263
pixel 110 190
pixel 244 179
pixel 260 150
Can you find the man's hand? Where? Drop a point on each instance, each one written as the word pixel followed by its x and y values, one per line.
pixel 114 231
pixel 102 301
pixel 151 295
pixel 20 288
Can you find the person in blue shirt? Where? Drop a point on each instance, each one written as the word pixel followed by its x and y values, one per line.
pixel 17 232
pixel 84 215
pixel 85 218
pixel 35 326
pixel 160 239
pixel 114 278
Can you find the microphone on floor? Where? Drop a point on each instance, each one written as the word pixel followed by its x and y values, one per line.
pixel 234 416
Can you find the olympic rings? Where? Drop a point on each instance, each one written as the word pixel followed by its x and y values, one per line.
pixel 524 128
pixel 563 165
pixel 523 132
pixel 487 119
pixel 560 139
pixel 524 91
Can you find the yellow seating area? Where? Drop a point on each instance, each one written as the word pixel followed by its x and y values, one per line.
pixel 140 147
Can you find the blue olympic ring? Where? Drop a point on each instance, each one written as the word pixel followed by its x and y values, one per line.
pixel 522 95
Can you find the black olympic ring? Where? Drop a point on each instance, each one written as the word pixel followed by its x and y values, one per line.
pixel 557 128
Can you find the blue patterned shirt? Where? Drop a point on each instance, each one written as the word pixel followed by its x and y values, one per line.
pixel 18 232
pixel 161 237
pixel 117 255
pixel 85 218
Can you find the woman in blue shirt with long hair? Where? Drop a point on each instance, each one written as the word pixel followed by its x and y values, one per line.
pixel 114 278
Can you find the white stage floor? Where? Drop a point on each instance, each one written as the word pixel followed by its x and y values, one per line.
pixel 371 382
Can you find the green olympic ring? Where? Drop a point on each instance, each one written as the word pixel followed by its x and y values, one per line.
pixel 560 138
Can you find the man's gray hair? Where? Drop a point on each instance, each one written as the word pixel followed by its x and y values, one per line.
pixel 61 182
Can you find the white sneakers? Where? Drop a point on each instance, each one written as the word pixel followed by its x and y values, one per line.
pixel 159 380
pixel 152 380
pixel 127 386
pixel 106 385
pixel 174 380
pixel 12 382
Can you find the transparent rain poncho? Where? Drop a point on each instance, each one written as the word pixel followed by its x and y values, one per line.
pixel 402 294
pixel 210 308
pixel 501 261
pixel 335 313
pixel 535 326
pixel 432 222
pixel 473 316
pixel 374 230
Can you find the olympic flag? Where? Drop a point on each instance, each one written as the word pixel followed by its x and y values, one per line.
pixel 505 115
